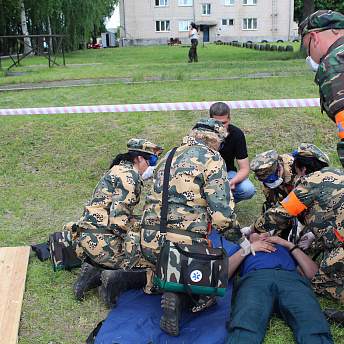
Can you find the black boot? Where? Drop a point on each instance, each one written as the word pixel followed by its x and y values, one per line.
pixel 115 281
pixel 173 305
pixel 89 278
pixel 334 316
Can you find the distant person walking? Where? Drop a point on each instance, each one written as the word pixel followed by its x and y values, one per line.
pixel 194 42
pixel 218 34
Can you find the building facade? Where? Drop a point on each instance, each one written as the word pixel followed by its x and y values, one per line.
pixel 154 22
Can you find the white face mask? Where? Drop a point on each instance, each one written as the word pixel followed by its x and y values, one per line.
pixel 148 173
pixel 312 64
pixel 274 184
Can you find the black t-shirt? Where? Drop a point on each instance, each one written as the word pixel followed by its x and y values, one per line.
pixel 234 148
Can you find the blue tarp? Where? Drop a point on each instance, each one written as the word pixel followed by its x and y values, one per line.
pixel 136 318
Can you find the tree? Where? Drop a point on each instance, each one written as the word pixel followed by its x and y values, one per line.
pixel 27 40
pixel 302 9
pixel 80 19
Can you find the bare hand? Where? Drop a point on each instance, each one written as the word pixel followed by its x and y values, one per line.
pixel 263 246
pixel 280 241
pixel 232 185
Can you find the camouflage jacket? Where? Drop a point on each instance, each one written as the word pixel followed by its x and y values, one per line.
pixel 319 197
pixel 199 193
pixel 330 79
pixel 114 198
pixel 275 195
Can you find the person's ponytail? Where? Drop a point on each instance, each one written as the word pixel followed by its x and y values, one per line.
pixel 129 156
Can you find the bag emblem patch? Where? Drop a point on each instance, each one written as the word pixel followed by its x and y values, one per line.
pixel 196 276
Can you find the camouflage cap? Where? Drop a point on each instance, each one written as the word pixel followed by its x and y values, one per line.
pixel 211 125
pixel 142 145
pixel 320 21
pixel 312 151
pixel 263 163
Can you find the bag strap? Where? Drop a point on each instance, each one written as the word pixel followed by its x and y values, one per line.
pixel 164 203
pixel 92 337
pixel 198 255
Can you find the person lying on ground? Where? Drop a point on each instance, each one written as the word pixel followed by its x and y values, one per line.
pixel 275 280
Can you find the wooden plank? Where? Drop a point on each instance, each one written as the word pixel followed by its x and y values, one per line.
pixel 13 268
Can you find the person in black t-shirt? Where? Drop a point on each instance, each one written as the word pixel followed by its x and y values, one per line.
pixel 234 149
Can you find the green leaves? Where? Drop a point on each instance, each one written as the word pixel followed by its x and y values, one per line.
pixel 81 19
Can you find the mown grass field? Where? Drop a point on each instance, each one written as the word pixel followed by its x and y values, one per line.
pixel 49 164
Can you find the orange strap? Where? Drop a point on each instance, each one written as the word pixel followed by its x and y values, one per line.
pixel 339 117
pixel 339 236
pixel 293 205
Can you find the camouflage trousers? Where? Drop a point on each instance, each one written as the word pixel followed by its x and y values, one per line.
pixel 104 249
pixel 193 51
pixel 329 280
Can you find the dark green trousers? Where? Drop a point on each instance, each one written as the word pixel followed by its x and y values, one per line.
pixel 264 292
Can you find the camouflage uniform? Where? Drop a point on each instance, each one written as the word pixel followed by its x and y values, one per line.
pixel 330 74
pixel 199 199
pixel 319 197
pixel 108 214
pixel 265 164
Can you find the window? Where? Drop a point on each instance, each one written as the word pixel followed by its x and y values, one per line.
pixel 184 25
pixel 185 2
pixel 229 22
pixel 162 25
pixel 250 2
pixel 162 2
pixel 249 24
pixel 229 2
pixel 206 9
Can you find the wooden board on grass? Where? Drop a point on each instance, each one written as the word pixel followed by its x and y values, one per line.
pixel 13 267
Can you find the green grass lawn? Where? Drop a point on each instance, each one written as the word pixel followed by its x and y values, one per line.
pixel 49 164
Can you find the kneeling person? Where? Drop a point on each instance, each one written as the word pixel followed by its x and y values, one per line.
pixel 108 215
pixel 199 193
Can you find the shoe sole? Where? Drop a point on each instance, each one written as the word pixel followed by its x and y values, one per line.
pixel 78 286
pixel 169 321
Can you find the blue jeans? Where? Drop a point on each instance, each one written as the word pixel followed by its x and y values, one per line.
pixel 243 190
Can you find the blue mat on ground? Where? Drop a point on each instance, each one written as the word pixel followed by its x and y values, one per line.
pixel 136 318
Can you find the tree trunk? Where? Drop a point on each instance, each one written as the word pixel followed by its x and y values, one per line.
pixel 308 8
pixel 25 31
pixel 50 43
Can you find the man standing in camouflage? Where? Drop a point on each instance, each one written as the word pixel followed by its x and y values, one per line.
pixel 323 37
pixel 199 199
pixel 108 215
pixel 319 196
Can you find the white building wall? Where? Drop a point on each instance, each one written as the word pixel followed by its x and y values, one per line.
pixel 138 21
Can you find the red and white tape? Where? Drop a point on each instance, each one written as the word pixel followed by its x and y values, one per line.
pixel 240 104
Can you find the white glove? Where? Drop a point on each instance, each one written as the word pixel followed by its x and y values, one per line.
pixel 148 173
pixel 247 247
pixel 246 230
pixel 300 227
pixel 306 240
